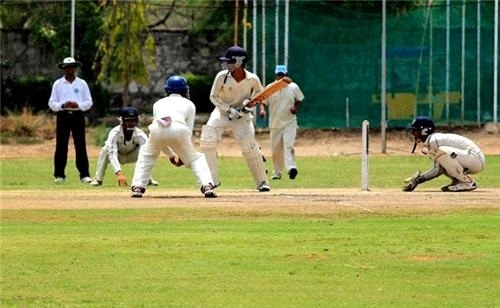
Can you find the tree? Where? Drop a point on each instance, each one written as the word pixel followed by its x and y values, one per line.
pixel 48 25
pixel 126 48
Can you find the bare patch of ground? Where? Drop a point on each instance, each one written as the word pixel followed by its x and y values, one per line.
pixel 299 201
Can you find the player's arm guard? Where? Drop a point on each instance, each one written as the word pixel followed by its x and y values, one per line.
pixel 418 178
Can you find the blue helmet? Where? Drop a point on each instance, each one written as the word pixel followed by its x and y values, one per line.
pixel 421 127
pixel 129 113
pixel 176 84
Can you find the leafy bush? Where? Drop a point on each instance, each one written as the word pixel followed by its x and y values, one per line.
pixel 199 90
pixel 31 92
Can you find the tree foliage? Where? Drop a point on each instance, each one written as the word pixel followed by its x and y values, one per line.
pixel 126 48
pixel 49 25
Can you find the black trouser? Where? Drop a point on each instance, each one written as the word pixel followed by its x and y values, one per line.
pixel 70 122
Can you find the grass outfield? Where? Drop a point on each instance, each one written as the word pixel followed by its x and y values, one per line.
pixel 314 172
pixel 213 257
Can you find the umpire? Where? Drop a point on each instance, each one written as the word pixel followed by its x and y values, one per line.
pixel 69 99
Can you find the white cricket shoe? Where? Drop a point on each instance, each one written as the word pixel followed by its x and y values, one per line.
pixel 263 187
pixel 137 191
pixel 96 182
pixel 463 186
pixel 59 180
pixel 86 180
pixel 208 191
pixel 447 186
pixel 153 183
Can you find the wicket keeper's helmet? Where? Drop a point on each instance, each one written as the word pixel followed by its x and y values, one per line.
pixel 129 118
pixel 176 84
pixel 235 54
pixel 129 113
pixel 421 128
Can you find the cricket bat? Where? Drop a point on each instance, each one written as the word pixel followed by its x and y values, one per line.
pixel 269 90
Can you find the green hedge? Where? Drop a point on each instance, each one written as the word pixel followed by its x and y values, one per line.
pixel 199 90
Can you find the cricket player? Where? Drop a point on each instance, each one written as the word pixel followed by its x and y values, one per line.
pixel 453 155
pixel 283 107
pixel 121 147
pixel 231 90
pixel 171 132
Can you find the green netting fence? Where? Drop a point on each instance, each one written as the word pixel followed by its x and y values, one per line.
pixel 335 56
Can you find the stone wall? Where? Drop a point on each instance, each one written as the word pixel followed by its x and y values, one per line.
pixel 176 52
pixel 21 56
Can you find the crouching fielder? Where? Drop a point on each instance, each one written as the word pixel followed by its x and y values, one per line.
pixel 453 155
pixel 121 147
pixel 171 132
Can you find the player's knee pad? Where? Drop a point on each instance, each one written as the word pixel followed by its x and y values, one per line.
pixel 209 137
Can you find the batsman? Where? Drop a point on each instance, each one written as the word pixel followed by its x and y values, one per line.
pixel 232 89
pixel 453 155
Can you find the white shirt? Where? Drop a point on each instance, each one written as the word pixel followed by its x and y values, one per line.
pixel 173 108
pixel 178 108
pixel 280 103
pixel 116 144
pixel 436 140
pixel 76 91
pixel 226 91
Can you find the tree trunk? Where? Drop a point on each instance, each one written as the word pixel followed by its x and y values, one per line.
pixel 125 94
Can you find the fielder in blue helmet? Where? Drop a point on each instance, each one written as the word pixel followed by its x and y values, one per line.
pixel 178 85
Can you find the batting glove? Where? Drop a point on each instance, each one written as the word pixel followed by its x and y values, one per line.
pixel 233 113
pixel 246 107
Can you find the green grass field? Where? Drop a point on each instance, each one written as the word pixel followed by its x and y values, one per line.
pixel 209 257
pixel 315 172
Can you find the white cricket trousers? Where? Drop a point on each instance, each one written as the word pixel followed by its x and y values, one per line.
pixel 103 161
pixel 474 162
pixel 282 147
pixel 178 138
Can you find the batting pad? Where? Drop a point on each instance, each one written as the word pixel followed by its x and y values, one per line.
pixel 253 156
pixel 208 145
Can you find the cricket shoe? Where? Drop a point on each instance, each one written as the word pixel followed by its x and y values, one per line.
pixel 292 173
pixel 153 183
pixel 453 183
pixel 86 180
pixel 96 183
pixel 263 187
pixel 208 191
pixel 276 177
pixel 137 191
pixel 59 180
pixel 463 186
